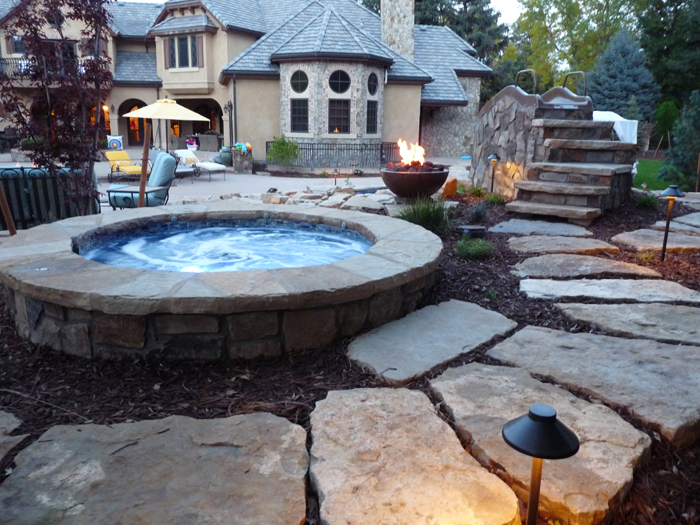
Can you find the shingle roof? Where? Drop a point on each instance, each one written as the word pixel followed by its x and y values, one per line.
pixel 132 19
pixel 133 67
pixel 443 54
pixel 233 14
pixel 184 23
pixel 6 6
pixel 329 35
pixel 359 15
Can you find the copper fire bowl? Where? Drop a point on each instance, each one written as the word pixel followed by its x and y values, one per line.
pixel 411 185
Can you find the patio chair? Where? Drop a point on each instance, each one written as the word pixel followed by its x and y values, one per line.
pixel 121 167
pixel 182 169
pixel 210 167
pixel 162 175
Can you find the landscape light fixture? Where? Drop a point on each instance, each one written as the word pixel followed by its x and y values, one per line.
pixel 670 193
pixel 644 189
pixel 336 172
pixel 493 158
pixel 540 435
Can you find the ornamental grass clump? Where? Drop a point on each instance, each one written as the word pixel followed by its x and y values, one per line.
pixel 476 192
pixel 474 248
pixel 430 214
pixel 477 213
pixel 495 198
pixel 648 201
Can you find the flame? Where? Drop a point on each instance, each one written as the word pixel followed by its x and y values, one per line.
pixel 336 130
pixel 408 155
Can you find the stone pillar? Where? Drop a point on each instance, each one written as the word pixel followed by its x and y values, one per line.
pixel 397 25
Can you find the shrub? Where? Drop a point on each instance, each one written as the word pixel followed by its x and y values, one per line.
pixel 682 158
pixel 474 248
pixel 648 201
pixel 477 213
pixel 103 144
pixel 430 214
pixel 476 192
pixel 666 117
pixel 495 198
pixel 283 152
pixel 645 257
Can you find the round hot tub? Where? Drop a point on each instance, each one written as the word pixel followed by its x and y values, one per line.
pixel 199 308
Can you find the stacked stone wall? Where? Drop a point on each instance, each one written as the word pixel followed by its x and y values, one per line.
pixel 398 25
pixel 450 131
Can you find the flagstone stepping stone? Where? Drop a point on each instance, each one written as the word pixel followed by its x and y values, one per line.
pixel 559 244
pixel 8 423
pixel 657 382
pixel 652 240
pixel 676 227
pixel 692 219
pixel 640 290
pixel 526 227
pixel 578 490
pixel 382 456
pixel 568 265
pixel 409 347
pixel 662 322
pixel 246 469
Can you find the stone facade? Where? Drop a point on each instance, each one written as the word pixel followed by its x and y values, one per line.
pixel 318 93
pixel 398 26
pixel 450 131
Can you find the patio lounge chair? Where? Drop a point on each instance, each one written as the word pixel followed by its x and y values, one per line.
pixel 182 169
pixel 210 167
pixel 122 196
pixel 121 167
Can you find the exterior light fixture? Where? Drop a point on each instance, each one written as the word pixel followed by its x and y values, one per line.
pixel 540 435
pixel 336 172
pixel 493 158
pixel 644 188
pixel 671 193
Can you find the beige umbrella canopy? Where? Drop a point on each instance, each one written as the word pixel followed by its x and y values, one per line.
pixel 165 109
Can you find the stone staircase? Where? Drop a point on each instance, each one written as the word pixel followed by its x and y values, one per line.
pixel 577 171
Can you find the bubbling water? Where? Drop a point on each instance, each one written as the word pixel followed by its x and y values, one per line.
pixel 223 249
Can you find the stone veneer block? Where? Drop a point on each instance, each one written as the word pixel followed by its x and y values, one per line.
pixel 126 331
pixel 253 325
pixel 8 423
pixel 692 219
pixel 559 244
pixel 661 322
pixel 631 373
pixel 307 329
pixel 385 307
pixel 577 490
pixel 676 227
pixel 422 340
pixel 652 240
pixel 638 290
pixel 384 457
pixel 246 469
pixel 255 349
pixel 568 265
pixel 352 317
pixel 186 324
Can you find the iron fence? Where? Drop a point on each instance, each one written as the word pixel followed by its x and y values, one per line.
pixel 348 155
pixel 21 67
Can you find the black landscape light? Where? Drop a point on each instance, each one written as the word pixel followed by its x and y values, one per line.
pixel 671 193
pixel 493 158
pixel 540 435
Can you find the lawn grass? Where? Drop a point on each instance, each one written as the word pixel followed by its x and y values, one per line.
pixel 646 173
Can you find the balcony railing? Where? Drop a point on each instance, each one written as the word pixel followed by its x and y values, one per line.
pixel 21 67
pixel 348 155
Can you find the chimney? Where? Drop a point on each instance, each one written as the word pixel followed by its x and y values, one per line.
pixel 397 25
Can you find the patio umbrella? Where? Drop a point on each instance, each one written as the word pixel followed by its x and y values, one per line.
pixel 166 109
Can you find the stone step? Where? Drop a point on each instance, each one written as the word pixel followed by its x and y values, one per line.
pixel 636 290
pixel 559 123
pixel 560 244
pixel 606 151
pixel 563 114
pixel 566 266
pixel 652 240
pixel 574 129
pixel 561 193
pixel 658 383
pixel 594 174
pixel 676 227
pixel 574 213
pixel 580 489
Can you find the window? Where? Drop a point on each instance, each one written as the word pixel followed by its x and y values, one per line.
pixel 55 19
pixel 339 81
pixel 372 112
pixel 338 116
pixel 300 82
pixel 300 115
pixel 18 45
pixel 372 84
pixel 183 52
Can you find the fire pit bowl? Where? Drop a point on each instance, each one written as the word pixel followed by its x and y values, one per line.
pixel 414 184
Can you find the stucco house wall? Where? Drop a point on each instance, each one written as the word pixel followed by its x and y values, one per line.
pixel 258 105
pixel 401 112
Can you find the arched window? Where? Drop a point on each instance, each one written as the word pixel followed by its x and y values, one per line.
pixel 339 81
pixel 299 82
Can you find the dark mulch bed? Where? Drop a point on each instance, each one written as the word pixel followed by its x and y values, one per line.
pixel 44 388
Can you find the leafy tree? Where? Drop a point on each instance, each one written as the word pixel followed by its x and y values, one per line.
pixel 64 123
pixel 570 35
pixel 666 117
pixel 682 158
pixel 671 40
pixel 620 74
pixel 515 58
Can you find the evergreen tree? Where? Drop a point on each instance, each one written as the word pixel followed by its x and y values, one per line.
pixel 372 5
pixel 666 117
pixel 435 12
pixel 477 22
pixel 620 74
pixel 671 40
pixel 682 158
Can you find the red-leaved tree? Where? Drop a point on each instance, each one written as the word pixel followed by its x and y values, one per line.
pixel 67 81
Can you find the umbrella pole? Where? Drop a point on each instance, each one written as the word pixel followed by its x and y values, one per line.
pixel 144 165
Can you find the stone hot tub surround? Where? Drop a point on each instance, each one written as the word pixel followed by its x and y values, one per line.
pixel 59 299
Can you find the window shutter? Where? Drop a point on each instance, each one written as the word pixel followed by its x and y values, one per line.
pixel 200 50
pixel 9 46
pixel 166 53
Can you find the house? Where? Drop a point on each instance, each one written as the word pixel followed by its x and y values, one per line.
pixel 317 71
